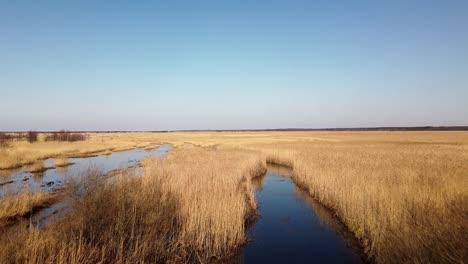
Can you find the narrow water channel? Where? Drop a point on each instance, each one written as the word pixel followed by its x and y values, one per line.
pixel 294 228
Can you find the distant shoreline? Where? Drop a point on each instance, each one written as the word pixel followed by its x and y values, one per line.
pixel 416 128
pixel 424 128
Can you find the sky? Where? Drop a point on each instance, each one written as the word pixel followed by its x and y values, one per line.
pixel 173 65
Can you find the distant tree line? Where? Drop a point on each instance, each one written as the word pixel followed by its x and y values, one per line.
pixel 5 140
pixel 33 136
pixel 64 135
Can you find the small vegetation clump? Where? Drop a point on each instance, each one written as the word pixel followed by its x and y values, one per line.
pixel 64 135
pixel 37 167
pixel 5 140
pixel 14 207
pixel 62 163
pixel 32 136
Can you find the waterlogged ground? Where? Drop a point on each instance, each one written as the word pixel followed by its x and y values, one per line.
pixel 294 228
pixel 12 181
pixel 55 178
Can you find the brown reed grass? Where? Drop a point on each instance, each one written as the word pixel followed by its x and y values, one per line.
pixel 405 203
pixel 17 206
pixel 191 208
pixel 402 194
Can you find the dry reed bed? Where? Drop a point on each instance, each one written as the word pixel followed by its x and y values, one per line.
pixel 191 207
pixel 406 203
pixel 23 204
pixel 403 195
pixel 20 153
pixel 62 162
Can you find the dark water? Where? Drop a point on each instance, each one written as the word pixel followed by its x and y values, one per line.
pixel 51 179
pixel 293 228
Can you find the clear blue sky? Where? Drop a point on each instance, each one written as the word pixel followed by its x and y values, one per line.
pixel 156 65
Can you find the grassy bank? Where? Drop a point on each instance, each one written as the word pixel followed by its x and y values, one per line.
pixel 23 204
pixel 192 207
pixel 21 152
pixel 404 195
pixel 405 203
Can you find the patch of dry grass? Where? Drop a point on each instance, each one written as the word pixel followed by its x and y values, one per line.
pixel 14 207
pixel 62 162
pixel 192 208
pixel 215 194
pixel 37 167
pixel 405 202
pixel 132 222
pixel 20 153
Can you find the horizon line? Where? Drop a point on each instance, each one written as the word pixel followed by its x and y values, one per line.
pixel 292 129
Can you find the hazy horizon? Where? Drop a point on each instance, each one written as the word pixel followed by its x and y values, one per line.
pixel 182 65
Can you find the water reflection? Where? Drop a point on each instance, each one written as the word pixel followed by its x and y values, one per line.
pixel 13 181
pixel 294 228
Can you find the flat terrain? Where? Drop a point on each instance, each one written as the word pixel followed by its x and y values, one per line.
pixel 21 152
pixel 404 195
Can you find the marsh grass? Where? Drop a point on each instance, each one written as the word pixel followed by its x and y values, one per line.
pixel 405 203
pixel 62 163
pixel 190 208
pixel 37 167
pixel 129 228
pixel 20 152
pixel 5 140
pixel 32 136
pixel 216 196
pixel 20 205
pixel 64 135
pixel 402 195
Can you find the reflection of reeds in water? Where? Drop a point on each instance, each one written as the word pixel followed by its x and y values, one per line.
pixel 149 148
pixel 273 169
pixel 325 216
pixel 258 182
pixel 38 175
pixel 37 167
pixel 63 170
pixel 404 202
pixel 4 174
pixel 63 162
pixel 23 204
pixel 279 170
pixel 329 220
